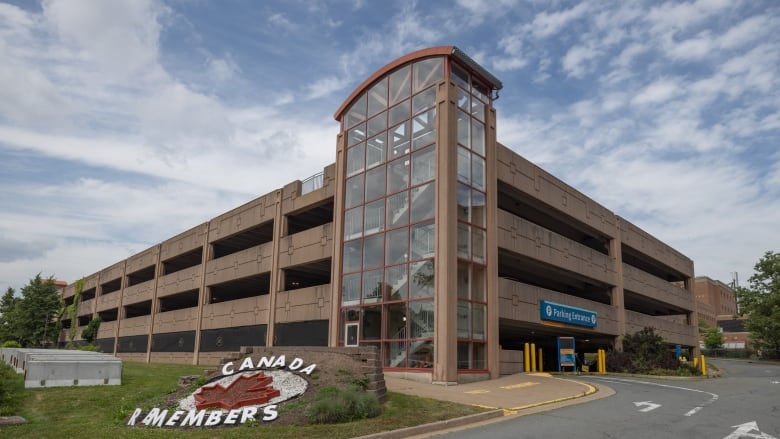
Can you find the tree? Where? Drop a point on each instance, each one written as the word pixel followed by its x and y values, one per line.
pixel 760 302
pixel 89 334
pixel 36 312
pixel 713 338
pixel 8 320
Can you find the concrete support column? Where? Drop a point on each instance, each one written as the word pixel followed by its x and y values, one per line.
pixel 276 277
pixel 618 298
pixel 202 296
pixel 338 240
pixel 491 241
pixel 445 363
pixel 155 304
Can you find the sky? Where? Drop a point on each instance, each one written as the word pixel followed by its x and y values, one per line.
pixel 124 123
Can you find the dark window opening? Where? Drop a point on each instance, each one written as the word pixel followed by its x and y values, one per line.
pixel 109 315
pixel 310 218
pixel 243 240
pixel 307 275
pixel 520 269
pixel 644 263
pixel 69 300
pixel 84 320
pixel 143 275
pixel 516 203
pixel 138 309
pixel 88 294
pixel 65 323
pixel 187 299
pixel 251 286
pixel 111 286
pixel 182 261
pixel 649 306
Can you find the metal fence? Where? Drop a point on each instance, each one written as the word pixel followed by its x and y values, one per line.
pixel 312 183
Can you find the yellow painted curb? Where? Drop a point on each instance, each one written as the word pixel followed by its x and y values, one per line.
pixel 591 390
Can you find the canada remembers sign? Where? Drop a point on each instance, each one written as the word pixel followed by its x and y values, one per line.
pixel 249 393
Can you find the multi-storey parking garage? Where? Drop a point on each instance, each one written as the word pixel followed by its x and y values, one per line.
pixel 427 239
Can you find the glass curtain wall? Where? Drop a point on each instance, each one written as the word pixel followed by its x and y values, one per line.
pixel 389 215
pixel 473 98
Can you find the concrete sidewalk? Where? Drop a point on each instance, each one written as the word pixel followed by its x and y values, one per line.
pixel 512 395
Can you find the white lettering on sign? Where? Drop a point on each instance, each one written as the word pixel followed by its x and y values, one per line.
pixel 196 418
pixel 274 362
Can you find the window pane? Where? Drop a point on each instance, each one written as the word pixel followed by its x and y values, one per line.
pixel 372 323
pixel 353 223
pixel 477 137
pixel 464 165
pixel 375 183
pixel 398 175
pixel 422 277
pixel 394 354
pixel 396 321
pixel 400 84
pixel 398 282
pixel 397 246
pixel 478 172
pixel 398 209
pixel 423 166
pixel 478 323
pixel 480 90
pixel 353 255
pixel 377 98
pixel 464 203
pixel 464 238
pixel 478 109
pixel 427 72
pixel 399 141
pixel 354 191
pixel 423 241
pixel 421 319
pixel 375 217
pixel 350 289
pixel 372 286
pixel 356 134
pixel 399 113
pixel 464 129
pixel 464 355
pixel 377 124
pixel 479 358
pixel 478 208
pixel 464 320
pixel 478 245
pixel 422 355
pixel 424 100
pixel 375 150
pixel 460 76
pixel 424 129
pixel 423 202
pixel 373 250
pixel 355 158
pixel 478 283
pixel 464 99
pixel 356 113
pixel 464 283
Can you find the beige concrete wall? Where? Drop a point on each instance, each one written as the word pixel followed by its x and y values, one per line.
pixel 652 247
pixel 183 280
pixel 138 293
pixel 292 199
pixel 132 357
pixel 303 304
pixel 307 246
pixel 107 330
pixel 671 332
pixel 86 307
pixel 249 262
pixel 183 242
pixel 108 301
pixel 241 312
pixel 112 273
pixel 520 301
pixel 546 188
pixel 528 239
pixel 142 260
pixel 251 214
pixel 171 357
pixel 641 282
pixel 175 321
pixel 134 326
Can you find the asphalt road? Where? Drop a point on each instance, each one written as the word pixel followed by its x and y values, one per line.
pixel 743 403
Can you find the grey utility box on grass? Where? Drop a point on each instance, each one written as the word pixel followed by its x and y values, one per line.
pixel 59 368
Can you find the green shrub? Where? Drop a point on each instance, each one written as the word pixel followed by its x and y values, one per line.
pixel 11 389
pixel 11 344
pixel 89 347
pixel 333 405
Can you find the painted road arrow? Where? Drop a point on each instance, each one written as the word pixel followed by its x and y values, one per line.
pixel 746 430
pixel 650 406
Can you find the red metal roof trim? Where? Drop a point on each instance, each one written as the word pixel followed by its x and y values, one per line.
pixel 424 53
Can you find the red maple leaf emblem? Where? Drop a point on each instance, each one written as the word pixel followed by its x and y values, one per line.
pixel 244 390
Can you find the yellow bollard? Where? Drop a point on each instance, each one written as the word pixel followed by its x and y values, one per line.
pixel 695 362
pixel 703 366
pixel 526 359
pixel 602 361
pixel 533 357
pixel 541 369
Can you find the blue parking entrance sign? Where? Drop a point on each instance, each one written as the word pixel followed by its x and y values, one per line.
pixel 567 356
pixel 567 314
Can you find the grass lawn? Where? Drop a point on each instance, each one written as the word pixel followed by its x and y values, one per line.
pixel 100 411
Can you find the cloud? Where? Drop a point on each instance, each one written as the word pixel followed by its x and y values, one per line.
pixel 658 92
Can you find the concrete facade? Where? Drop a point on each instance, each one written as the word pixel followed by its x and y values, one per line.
pixel 427 238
